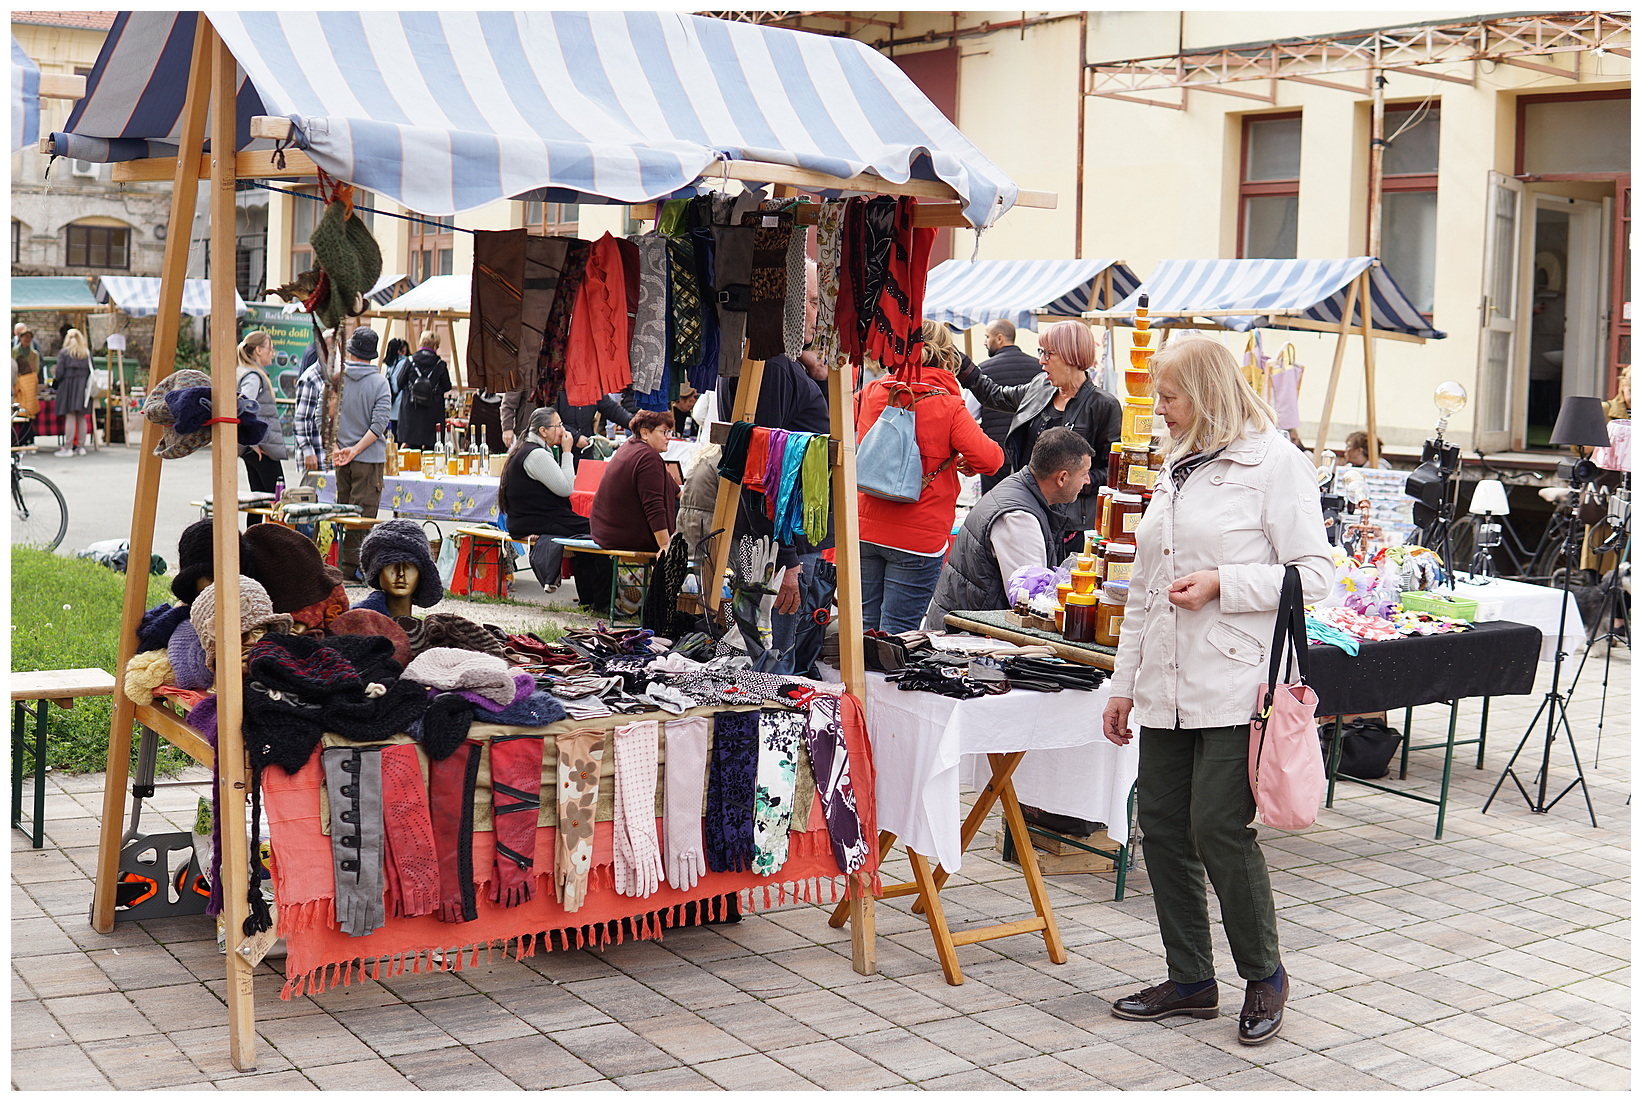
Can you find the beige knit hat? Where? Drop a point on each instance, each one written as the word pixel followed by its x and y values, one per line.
pixel 256 610
pixel 449 669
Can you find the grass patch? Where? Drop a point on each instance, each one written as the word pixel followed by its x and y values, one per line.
pixel 65 614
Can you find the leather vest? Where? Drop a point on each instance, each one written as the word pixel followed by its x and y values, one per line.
pixel 971 579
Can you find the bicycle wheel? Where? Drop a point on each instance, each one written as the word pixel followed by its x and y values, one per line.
pixel 1462 542
pixel 39 514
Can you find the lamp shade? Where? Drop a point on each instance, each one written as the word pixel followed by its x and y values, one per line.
pixel 1489 497
pixel 1581 423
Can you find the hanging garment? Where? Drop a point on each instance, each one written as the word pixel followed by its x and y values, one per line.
pixel 683 304
pixel 638 867
pixel 758 458
pixel 515 274
pixel 829 228
pixel 732 278
pixel 649 349
pixel 816 491
pixel 412 861
pixel 788 510
pixel 1285 377
pixel 686 757
pixel 792 317
pixel 451 784
pixel 847 313
pixel 728 823
pixel 353 780
pixel 897 309
pixel 830 761
pixel 780 734
pixel 596 360
pixel 703 373
pixel 775 458
pixel 732 462
pixel 516 797
pixel 550 372
pixel 766 313
pixel 580 754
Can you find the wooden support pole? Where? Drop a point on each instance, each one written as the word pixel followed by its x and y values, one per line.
pixel 1368 368
pixel 232 765
pixel 146 496
pixel 728 501
pixel 1334 373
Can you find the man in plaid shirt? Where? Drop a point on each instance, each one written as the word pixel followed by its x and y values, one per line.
pixel 310 405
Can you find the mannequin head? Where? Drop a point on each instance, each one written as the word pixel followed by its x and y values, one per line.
pixel 399 581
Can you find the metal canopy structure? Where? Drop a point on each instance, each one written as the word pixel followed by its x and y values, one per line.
pixel 1507 39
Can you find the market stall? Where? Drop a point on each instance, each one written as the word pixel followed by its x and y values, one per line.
pixel 25 98
pixel 967 293
pixel 435 304
pixel 55 296
pixel 1324 296
pixel 293 95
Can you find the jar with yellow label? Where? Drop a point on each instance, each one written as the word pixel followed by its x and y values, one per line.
pixel 1134 475
pixel 1108 622
pixel 1120 562
pixel 1137 424
pixel 1126 511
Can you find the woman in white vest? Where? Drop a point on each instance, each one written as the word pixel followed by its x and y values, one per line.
pixel 262 461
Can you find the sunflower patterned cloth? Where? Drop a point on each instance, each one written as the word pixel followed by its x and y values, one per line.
pixel 780 735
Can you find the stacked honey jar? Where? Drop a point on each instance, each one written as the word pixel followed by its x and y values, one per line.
pixel 1095 600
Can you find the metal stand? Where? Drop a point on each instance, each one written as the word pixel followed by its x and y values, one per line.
pixel 1608 613
pixel 1555 710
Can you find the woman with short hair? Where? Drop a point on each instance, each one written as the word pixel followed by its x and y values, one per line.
pixel 424 380
pixel 535 495
pixel 71 384
pixel 263 472
pixel 1235 504
pixel 1062 397
pixel 636 505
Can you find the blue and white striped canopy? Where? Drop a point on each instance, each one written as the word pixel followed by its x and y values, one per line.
pixel 25 99
pixel 972 292
pixel 1314 289
pixel 447 111
pixel 139 296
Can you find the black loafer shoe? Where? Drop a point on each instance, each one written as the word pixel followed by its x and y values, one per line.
pixel 1262 1015
pixel 1165 1001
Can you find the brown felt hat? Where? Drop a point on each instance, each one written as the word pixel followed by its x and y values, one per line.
pixel 366 621
pixel 289 567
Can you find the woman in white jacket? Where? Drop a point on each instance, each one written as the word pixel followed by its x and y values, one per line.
pixel 1235 503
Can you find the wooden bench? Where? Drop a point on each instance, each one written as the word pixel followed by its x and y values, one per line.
pixel 639 561
pixel 63 688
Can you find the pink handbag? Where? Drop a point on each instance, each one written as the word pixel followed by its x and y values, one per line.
pixel 1285 757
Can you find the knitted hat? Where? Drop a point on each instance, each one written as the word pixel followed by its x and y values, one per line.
pixel 350 258
pixel 299 666
pixel 449 668
pixel 289 567
pixel 279 729
pixel 447 629
pixel 188 659
pixel 157 625
pixel 395 541
pixel 315 619
pixel 195 559
pixel 255 611
pixel 364 621
pixel 145 673
pixel 371 655
pixel 175 445
pixel 368 718
pixel 362 343
pixel 445 725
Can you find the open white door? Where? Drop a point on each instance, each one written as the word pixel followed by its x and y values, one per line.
pixel 1497 345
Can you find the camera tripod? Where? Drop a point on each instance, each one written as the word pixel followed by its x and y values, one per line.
pixel 1612 619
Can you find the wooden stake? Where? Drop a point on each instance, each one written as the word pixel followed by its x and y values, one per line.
pixel 1334 373
pixel 729 494
pixel 232 766
pixel 1368 369
pixel 146 496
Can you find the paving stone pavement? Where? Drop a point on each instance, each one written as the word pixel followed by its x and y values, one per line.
pixel 1497 958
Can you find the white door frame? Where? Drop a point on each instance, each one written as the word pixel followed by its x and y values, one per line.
pixel 1500 336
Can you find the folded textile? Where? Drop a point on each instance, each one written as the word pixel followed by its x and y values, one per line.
pixel 299 665
pixel 731 783
pixel 447 629
pixel 537 709
pixel 523 686
pixel 450 668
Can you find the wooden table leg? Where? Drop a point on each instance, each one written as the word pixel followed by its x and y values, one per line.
pixel 1029 860
pixel 929 894
pixel 977 814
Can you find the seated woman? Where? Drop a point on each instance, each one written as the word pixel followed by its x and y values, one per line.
pixel 535 494
pixel 636 506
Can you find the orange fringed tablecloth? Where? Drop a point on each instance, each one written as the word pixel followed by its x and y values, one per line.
pixel 319 956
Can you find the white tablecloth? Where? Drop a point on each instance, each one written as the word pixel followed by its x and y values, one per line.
pixel 920 740
pixel 1535 605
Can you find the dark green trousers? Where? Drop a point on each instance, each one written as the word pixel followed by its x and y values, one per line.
pixel 1195 809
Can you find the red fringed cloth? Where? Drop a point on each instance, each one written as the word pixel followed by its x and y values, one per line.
pixel 319 956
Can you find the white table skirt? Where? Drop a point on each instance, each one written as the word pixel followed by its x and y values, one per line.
pixel 921 742
pixel 1535 605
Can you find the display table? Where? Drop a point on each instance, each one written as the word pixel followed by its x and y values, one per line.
pixel 919 740
pixel 464 498
pixel 1537 606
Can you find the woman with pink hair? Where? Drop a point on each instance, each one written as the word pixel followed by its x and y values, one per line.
pixel 1062 397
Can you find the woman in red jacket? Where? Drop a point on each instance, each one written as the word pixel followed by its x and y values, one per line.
pixel 903 544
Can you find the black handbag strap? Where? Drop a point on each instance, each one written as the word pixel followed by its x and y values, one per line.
pixel 1288 637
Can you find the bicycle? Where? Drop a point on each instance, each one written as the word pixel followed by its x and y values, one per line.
pixel 39 512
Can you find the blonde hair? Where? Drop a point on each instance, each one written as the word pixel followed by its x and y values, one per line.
pixel 428 339
pixel 1073 340
pixel 939 351
pixel 1222 402
pixel 248 346
pixel 74 343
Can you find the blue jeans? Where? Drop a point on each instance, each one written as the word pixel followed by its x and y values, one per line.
pixel 896 587
pixel 782 655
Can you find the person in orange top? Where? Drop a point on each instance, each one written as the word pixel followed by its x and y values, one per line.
pixel 903 544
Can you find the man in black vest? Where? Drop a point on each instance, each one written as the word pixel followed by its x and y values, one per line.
pixel 1011 527
pixel 1006 365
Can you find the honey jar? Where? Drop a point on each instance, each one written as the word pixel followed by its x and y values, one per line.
pixel 410 460
pixel 1081 610
pixel 1120 562
pixel 1108 622
pixel 1137 424
pixel 1103 516
pixel 1125 515
pixel 1134 473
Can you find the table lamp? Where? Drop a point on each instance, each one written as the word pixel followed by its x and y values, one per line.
pixel 1488 500
pixel 1580 424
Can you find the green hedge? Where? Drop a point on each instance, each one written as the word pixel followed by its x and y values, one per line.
pixel 65 614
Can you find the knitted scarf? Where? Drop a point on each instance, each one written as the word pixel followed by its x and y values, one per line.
pixel 730 792
pixel 780 734
pixel 580 755
pixel 686 757
pixel 638 868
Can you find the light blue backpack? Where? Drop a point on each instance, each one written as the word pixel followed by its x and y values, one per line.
pixel 888 463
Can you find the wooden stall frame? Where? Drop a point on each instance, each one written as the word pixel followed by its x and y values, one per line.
pixel 210 93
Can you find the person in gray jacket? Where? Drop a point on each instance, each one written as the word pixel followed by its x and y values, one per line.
pixel 1010 527
pixel 1062 396
pixel 263 471
pixel 361 429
